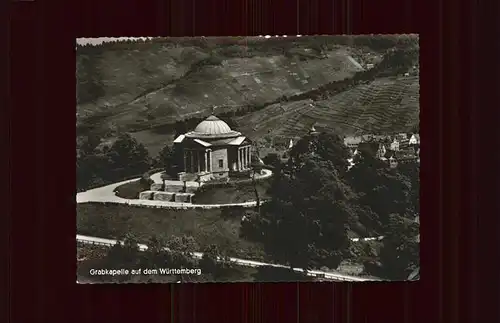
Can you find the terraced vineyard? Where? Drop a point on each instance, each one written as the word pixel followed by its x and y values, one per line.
pixel 386 105
pixel 237 82
pixel 145 88
pixel 272 119
pixel 145 85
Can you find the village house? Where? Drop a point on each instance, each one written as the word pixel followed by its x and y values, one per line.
pixel 373 148
pixel 394 145
pixel 403 140
pixel 353 141
pixel 395 149
pixel 414 139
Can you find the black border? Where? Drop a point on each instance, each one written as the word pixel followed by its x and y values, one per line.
pixel 454 205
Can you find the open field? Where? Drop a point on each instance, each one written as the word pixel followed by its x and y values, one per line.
pixel 206 226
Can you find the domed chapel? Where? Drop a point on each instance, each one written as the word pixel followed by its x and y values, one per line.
pixel 212 151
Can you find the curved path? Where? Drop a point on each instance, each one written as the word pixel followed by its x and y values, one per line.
pixel 241 262
pixel 106 194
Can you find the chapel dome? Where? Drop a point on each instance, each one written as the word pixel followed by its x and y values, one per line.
pixel 212 127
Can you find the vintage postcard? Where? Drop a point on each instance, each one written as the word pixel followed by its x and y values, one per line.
pixel 248 159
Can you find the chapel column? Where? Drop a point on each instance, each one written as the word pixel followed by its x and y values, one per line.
pixel 206 160
pixel 249 156
pixel 242 158
pixel 245 162
pixel 192 161
pixel 239 158
pixel 210 160
pixel 185 160
pixel 246 157
pixel 198 160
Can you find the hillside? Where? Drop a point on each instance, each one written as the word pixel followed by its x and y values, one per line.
pixel 134 85
pixel 386 105
pixel 277 86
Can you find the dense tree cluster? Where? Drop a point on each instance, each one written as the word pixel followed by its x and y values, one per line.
pixel 170 159
pixel 99 164
pixel 234 44
pixel 316 202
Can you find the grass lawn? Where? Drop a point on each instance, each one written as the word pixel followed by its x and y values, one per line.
pixel 205 226
pixel 131 190
pixel 237 193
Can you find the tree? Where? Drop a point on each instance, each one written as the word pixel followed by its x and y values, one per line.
pixel 411 170
pixel 181 253
pixel 327 147
pixel 381 189
pixel 181 250
pixel 171 157
pixel 125 255
pixel 399 254
pixel 128 157
pixel 306 221
pixel 156 255
pixel 255 170
pixel 272 160
pixel 88 145
pixel 165 157
pixel 208 262
pixel 92 164
pixel 252 225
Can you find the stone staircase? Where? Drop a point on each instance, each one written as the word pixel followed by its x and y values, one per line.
pixel 178 197
pixel 174 191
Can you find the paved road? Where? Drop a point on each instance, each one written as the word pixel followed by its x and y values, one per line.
pixel 241 262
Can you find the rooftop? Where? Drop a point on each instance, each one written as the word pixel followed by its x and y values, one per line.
pixel 212 127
